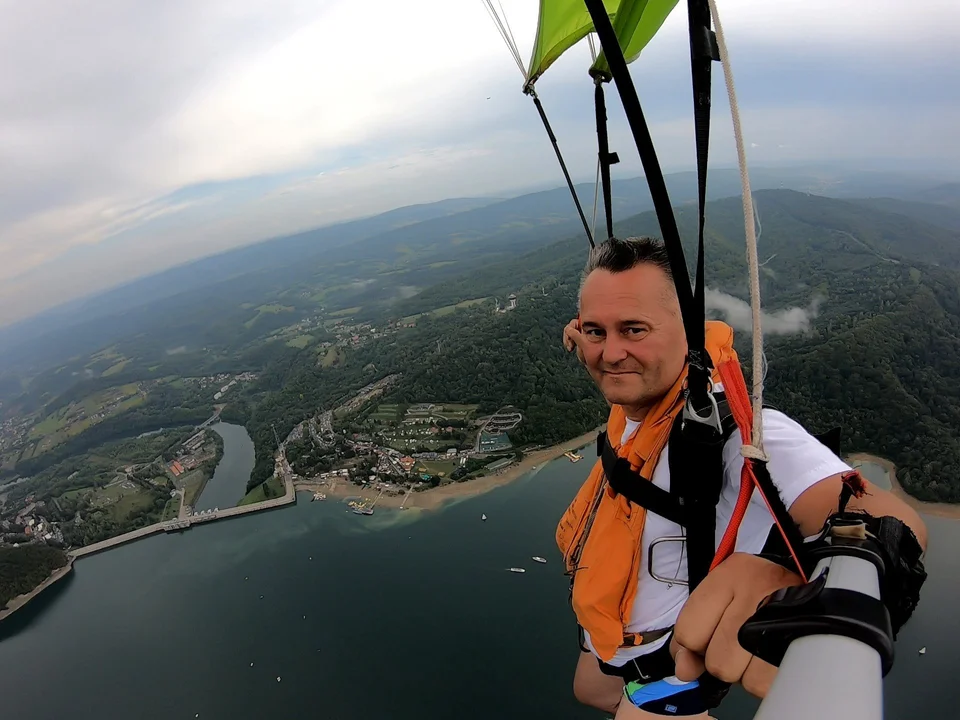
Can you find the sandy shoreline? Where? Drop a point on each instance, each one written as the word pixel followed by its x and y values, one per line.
pixel 436 497
pixel 20 600
pixel 947 510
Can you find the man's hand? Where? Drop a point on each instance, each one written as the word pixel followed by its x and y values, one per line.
pixel 573 338
pixel 705 636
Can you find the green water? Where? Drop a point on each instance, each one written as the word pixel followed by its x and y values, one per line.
pixel 401 615
pixel 229 482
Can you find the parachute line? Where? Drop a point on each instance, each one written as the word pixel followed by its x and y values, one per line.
pixel 563 165
pixel 506 33
pixel 750 221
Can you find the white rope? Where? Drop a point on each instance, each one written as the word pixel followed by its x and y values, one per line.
pixel 505 33
pixel 750 226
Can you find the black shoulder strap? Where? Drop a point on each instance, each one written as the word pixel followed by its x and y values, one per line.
pixel 696 476
pixel 636 488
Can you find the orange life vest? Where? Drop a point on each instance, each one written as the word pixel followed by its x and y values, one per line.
pixel 600 532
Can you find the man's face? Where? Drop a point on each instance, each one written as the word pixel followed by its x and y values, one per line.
pixel 636 346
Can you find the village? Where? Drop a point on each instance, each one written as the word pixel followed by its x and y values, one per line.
pixel 397 449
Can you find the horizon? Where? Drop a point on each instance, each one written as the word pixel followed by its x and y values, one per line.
pixel 880 166
pixel 121 172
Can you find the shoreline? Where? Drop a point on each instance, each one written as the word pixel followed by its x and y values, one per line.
pixel 21 601
pixel 435 498
pixel 936 509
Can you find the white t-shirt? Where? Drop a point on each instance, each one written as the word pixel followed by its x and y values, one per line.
pixel 797 461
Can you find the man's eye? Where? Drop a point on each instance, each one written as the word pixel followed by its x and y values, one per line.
pixel 594 332
pixel 635 331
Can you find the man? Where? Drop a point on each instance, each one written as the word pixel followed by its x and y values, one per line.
pixel 631 339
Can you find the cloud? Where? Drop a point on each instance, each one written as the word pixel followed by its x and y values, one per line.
pixel 737 314
pixel 134 135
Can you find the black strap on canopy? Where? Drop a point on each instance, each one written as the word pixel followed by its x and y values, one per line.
pixel 563 165
pixel 605 157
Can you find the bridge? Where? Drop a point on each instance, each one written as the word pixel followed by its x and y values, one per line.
pixel 186 522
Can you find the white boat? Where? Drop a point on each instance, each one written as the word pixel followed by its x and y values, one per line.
pixel 539 559
pixel 923 650
pixel 483 517
pixel 519 570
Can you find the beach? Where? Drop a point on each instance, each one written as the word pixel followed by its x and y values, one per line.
pixel 946 510
pixel 436 497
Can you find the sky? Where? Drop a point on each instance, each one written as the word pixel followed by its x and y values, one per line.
pixel 139 135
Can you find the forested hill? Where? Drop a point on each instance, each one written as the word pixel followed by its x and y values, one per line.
pixel 881 355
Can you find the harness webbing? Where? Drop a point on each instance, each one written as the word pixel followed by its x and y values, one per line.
pixel 606 157
pixel 703 51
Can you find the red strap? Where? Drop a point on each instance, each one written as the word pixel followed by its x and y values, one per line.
pixel 735 389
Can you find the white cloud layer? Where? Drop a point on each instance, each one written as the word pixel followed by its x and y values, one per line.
pixel 737 314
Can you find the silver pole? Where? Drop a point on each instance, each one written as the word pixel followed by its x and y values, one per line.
pixel 830 677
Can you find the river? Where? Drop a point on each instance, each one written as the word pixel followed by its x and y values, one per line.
pixel 229 482
pixel 404 615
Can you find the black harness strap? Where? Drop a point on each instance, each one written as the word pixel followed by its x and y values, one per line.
pixel 703 51
pixel 606 157
pixel 696 475
pixel 636 488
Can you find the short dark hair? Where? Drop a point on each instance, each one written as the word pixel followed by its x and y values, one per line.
pixel 616 256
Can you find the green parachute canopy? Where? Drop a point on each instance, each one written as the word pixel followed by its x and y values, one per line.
pixel 564 23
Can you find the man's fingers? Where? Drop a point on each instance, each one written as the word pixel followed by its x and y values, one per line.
pixel 571 335
pixel 725 659
pixel 689 665
pixel 702 612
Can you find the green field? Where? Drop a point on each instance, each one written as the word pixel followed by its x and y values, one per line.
pixel 346 311
pixel 66 422
pixel 447 309
pixel 130 502
pixel 450 411
pixel 386 413
pixel 404 444
pixel 333 356
pixel 436 467
pixel 300 341
pixel 115 368
pixel 267 309
pixel 257 495
pixel 106 354
pixel 171 510
pixel 192 483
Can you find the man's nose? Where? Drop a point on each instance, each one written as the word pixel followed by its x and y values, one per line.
pixel 614 349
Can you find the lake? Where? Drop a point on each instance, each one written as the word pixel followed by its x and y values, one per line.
pixel 403 615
